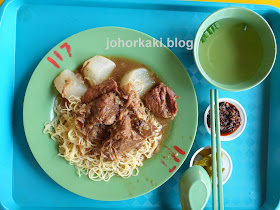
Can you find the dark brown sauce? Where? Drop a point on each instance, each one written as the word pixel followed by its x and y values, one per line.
pixel 230 119
pixel 123 66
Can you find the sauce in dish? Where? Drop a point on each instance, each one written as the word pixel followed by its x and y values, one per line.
pixel 230 119
pixel 206 160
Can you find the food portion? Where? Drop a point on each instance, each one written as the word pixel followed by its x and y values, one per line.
pixel 69 84
pixel 96 91
pixel 139 79
pixel 230 119
pixel 206 160
pixel 114 117
pixel 162 101
pixel 97 69
pixel 106 129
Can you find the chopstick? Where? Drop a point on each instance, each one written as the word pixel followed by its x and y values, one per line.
pixel 219 156
pixel 216 151
pixel 213 149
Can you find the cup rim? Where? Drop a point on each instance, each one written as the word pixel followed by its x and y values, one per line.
pixel 222 151
pixel 196 56
pixel 243 116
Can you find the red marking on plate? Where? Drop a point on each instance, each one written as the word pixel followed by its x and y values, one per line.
pixel 68 48
pixel 163 162
pixel 172 169
pixel 179 150
pixel 175 158
pixel 53 62
pixel 58 55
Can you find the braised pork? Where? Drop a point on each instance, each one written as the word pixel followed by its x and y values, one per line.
pixel 161 101
pixel 96 91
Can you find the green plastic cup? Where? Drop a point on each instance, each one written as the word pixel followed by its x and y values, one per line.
pixel 266 61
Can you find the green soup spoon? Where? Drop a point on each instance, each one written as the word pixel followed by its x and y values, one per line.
pixel 194 188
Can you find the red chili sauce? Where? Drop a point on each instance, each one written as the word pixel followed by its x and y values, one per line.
pixel 230 119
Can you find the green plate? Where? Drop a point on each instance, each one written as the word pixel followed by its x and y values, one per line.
pixel 38 108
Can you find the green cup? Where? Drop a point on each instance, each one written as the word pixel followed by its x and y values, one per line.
pixel 266 61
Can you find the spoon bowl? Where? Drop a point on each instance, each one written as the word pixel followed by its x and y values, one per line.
pixel 194 188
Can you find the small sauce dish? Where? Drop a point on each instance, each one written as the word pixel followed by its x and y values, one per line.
pixel 237 132
pixel 226 162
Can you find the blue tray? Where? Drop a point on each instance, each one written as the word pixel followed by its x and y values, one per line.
pixel 30 28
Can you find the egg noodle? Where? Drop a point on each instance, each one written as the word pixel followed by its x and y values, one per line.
pixel 83 154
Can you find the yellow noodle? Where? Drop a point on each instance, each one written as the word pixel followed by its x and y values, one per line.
pixel 75 149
